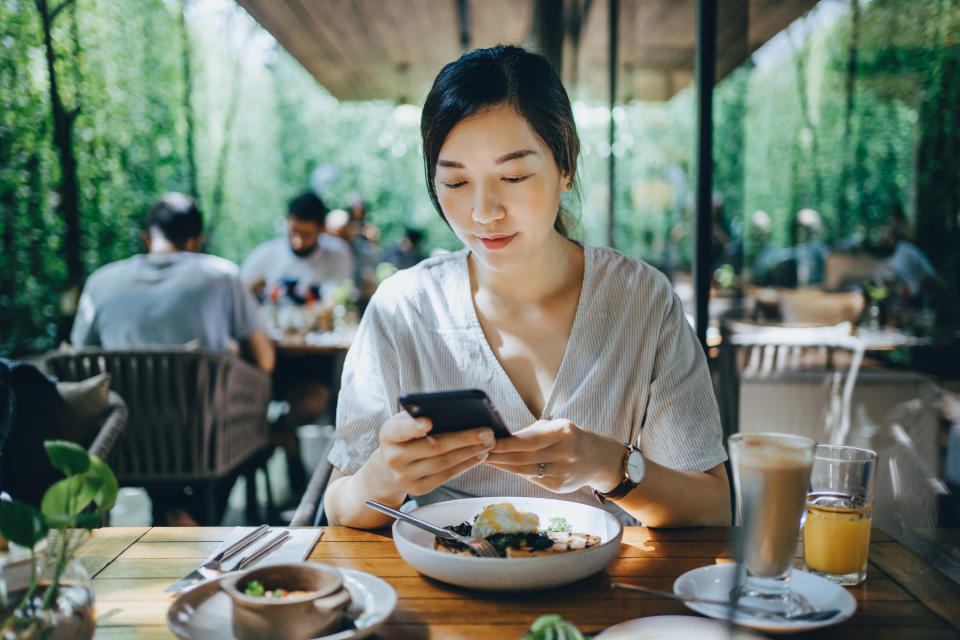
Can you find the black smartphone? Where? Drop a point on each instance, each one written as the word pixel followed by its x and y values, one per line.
pixel 455 410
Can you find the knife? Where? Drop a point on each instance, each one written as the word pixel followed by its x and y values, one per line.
pixel 210 568
pixel 262 552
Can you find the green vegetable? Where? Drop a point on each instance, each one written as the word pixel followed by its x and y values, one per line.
pixel 535 541
pixel 559 525
pixel 254 588
pixel 552 627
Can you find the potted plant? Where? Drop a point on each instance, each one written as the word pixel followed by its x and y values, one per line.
pixel 56 601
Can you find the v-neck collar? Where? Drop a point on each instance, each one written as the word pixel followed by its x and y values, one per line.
pixel 473 322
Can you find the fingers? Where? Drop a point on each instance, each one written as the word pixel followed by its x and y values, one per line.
pixel 401 427
pixel 428 483
pixel 444 443
pixel 439 464
pixel 559 452
pixel 531 469
pixel 539 435
pixel 416 459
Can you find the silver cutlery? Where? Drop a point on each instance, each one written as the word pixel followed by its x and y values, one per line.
pixel 812 616
pixel 260 553
pixel 216 562
pixel 480 546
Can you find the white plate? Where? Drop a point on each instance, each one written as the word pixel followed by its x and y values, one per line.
pixel 674 628
pixel 714 582
pixel 509 574
pixel 206 611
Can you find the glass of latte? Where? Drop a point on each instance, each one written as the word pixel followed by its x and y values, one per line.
pixel 771 475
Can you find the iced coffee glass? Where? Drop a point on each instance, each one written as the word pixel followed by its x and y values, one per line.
pixel 771 474
pixel 836 532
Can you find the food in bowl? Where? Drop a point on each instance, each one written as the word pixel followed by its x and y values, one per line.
pixel 516 534
pixel 314 601
pixel 256 589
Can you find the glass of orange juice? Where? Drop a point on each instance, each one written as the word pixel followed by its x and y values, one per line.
pixel 836 530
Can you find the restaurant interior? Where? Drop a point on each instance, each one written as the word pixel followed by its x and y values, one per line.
pixel 790 168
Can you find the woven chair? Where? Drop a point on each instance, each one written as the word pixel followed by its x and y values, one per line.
pixel 104 445
pixel 197 418
pixel 310 510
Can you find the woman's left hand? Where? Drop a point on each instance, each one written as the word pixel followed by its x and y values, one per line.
pixel 560 456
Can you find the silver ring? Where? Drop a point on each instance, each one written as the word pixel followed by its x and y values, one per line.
pixel 542 469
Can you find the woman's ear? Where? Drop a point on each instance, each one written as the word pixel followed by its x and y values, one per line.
pixel 566 182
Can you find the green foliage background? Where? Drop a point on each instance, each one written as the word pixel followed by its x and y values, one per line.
pixel 121 65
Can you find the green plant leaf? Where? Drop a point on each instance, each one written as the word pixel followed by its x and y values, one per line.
pixel 66 497
pixel 89 520
pixel 72 495
pixel 68 457
pixel 21 523
pixel 107 487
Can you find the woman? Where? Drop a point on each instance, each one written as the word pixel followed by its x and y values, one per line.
pixel 585 352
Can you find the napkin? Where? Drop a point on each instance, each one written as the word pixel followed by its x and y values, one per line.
pixel 296 548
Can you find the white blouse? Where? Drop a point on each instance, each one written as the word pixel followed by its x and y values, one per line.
pixel 632 370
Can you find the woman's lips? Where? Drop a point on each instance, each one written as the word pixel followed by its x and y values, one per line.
pixel 497 241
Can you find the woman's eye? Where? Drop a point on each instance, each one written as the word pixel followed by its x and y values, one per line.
pixel 515 180
pixel 454 185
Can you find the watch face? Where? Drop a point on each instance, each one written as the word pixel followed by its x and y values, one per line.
pixel 635 466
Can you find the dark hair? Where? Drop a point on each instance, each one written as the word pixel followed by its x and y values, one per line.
pixel 176 216
pixel 508 75
pixel 308 207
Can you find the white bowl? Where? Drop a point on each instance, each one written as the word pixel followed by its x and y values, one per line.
pixel 675 628
pixel 509 574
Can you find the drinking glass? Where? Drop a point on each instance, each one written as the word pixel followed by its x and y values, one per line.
pixel 771 474
pixel 836 532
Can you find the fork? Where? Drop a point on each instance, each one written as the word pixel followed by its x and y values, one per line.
pixel 216 562
pixel 269 547
pixel 479 546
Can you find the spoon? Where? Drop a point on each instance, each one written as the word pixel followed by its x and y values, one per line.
pixel 812 616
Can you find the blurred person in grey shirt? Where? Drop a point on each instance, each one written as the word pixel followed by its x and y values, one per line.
pixel 171 295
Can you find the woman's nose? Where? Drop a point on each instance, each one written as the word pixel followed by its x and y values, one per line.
pixel 487 206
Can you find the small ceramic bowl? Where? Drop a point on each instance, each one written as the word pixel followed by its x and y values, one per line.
pixel 293 617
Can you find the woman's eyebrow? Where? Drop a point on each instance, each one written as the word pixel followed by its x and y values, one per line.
pixel 513 155
pixel 507 157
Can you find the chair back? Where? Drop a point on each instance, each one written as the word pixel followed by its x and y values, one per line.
pixel 771 354
pixel 192 414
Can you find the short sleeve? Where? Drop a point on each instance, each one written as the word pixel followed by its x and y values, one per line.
pixel 244 315
pixel 368 393
pixel 681 427
pixel 84 331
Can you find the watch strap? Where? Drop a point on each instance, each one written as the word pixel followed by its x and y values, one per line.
pixel 626 485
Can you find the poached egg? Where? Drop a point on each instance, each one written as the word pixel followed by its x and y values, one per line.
pixel 504 518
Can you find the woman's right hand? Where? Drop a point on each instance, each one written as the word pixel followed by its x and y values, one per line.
pixel 419 463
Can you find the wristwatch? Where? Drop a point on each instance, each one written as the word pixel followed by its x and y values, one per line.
pixel 634 469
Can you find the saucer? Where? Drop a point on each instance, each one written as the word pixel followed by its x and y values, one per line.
pixel 715 581
pixel 206 611
pixel 675 627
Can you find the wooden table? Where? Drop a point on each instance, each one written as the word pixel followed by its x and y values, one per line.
pixel 902 596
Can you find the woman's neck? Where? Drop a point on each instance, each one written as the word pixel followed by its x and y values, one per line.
pixel 547 275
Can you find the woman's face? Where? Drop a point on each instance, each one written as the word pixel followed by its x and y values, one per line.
pixel 499 187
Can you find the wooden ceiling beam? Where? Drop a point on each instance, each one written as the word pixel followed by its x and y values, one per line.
pixel 392 49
